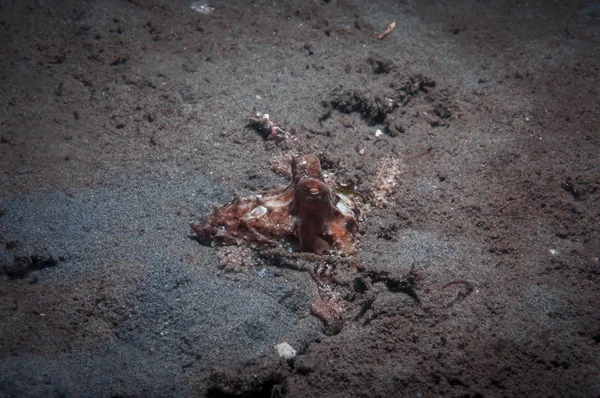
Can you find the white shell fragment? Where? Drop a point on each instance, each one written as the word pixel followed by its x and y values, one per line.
pixel 258 212
pixel 345 205
pixel 286 351
pixel 201 7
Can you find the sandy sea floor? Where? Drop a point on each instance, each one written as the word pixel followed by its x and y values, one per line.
pixel 122 121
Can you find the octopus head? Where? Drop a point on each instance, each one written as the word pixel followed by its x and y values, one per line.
pixel 306 166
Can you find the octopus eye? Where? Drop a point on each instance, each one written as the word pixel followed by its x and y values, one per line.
pixel 314 192
pixel 352 226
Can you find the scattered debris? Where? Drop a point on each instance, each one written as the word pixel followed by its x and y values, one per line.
pixel 17 261
pixel 380 66
pixel 386 181
pixel 427 152
pixel 262 123
pixel 373 109
pixel 572 186
pixel 467 284
pixel 202 8
pixel 388 30
pixel 286 351
pixel 462 294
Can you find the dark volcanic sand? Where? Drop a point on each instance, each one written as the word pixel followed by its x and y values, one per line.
pixel 122 121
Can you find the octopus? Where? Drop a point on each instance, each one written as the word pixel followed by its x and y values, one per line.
pixel 307 216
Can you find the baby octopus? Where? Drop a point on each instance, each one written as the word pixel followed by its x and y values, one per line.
pixel 305 216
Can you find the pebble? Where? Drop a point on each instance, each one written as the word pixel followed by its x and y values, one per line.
pixel 286 351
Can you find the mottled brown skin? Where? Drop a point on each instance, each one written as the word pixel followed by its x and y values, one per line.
pixel 306 166
pixel 330 312
pixel 312 207
pixel 303 215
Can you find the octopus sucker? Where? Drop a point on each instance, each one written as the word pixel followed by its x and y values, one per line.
pixel 307 214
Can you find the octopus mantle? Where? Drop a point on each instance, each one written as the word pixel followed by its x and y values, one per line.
pixel 306 216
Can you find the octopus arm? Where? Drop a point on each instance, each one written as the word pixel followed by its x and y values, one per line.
pixel 310 239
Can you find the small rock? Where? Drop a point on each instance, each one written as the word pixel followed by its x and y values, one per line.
pixel 286 351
